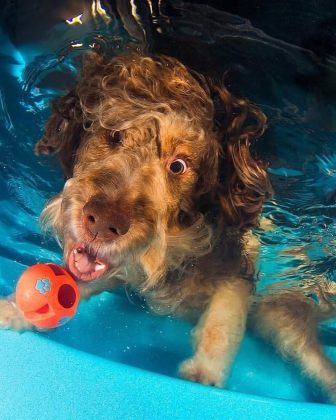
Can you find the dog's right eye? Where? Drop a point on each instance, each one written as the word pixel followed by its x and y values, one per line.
pixel 114 137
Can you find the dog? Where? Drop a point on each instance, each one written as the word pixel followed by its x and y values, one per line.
pixel 162 190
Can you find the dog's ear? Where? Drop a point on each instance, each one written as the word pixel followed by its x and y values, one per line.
pixel 243 183
pixel 63 132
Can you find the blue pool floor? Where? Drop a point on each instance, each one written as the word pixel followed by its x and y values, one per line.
pixel 51 381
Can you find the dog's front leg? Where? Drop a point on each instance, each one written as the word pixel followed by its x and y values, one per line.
pixel 289 318
pixel 11 318
pixel 218 334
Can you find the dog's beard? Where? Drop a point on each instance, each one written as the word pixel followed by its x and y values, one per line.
pixel 147 243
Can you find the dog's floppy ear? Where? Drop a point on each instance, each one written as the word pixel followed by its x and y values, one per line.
pixel 243 183
pixel 63 131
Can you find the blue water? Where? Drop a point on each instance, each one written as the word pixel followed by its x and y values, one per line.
pixel 290 80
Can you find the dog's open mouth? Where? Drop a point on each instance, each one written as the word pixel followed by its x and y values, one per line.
pixel 84 265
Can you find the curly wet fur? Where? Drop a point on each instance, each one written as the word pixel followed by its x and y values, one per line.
pixel 161 97
pixel 186 245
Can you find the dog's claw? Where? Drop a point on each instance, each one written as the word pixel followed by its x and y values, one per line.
pixel 203 371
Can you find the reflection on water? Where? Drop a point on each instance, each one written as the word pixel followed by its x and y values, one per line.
pixel 291 77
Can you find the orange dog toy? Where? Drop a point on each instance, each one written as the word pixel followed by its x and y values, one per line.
pixel 47 295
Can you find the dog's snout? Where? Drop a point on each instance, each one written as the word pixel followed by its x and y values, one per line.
pixel 105 218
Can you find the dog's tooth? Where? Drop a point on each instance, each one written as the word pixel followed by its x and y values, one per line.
pixel 99 267
pixel 77 254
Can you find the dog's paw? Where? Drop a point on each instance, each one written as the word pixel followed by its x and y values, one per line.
pixel 202 370
pixel 11 318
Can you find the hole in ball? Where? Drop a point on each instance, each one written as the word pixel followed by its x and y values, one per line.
pixel 66 296
pixel 58 271
pixel 43 310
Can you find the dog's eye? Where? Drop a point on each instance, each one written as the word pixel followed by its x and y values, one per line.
pixel 114 137
pixel 178 167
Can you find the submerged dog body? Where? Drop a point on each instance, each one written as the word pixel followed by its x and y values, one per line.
pixel 159 197
pixel 162 190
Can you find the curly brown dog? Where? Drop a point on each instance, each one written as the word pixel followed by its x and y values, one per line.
pixel 161 194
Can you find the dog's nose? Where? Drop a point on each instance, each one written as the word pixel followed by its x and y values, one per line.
pixel 105 218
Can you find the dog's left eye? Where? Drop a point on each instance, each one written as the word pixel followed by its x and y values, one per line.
pixel 178 167
pixel 114 137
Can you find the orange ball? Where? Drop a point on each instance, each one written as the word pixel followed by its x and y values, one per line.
pixel 47 295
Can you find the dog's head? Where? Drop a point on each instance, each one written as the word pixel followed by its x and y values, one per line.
pixel 161 157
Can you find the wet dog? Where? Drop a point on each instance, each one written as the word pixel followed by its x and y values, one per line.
pixel 162 191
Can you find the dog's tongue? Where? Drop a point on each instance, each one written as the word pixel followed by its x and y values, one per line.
pixel 84 263
pixel 84 266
